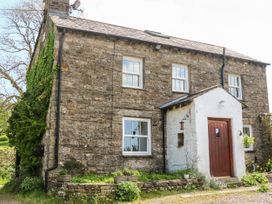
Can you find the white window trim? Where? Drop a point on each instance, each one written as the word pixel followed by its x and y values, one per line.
pixel 134 59
pixel 148 153
pixel 251 148
pixel 239 87
pixel 180 78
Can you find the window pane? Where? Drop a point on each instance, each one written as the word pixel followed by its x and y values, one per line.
pixel 144 128
pixel 246 130
pixel 136 127
pixel 127 144
pixel 238 81
pixel 128 127
pixel 128 79
pixel 125 65
pixel 130 67
pixel 135 144
pixel 136 81
pixel 136 69
pixel 182 73
pixel 174 72
pixel 143 144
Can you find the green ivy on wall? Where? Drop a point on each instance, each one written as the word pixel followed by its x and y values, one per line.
pixel 27 123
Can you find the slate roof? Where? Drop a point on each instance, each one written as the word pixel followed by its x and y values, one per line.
pixel 96 27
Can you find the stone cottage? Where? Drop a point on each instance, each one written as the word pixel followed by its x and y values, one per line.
pixel 141 99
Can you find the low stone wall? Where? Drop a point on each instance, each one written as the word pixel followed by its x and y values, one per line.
pixel 269 176
pixel 109 189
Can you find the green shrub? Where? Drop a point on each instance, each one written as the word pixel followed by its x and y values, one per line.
pixel 127 191
pixel 268 166
pixel 263 188
pixel 30 184
pixel 248 140
pixel 254 179
pixel 93 178
pixel 126 172
pixel 6 172
pixel 27 123
pixel 3 138
pixel 74 167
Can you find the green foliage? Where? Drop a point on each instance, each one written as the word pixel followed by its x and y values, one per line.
pixel 74 167
pixel 28 119
pixel 127 191
pixel 248 140
pixel 93 178
pixel 142 176
pixel 126 172
pixel 4 115
pixel 263 188
pixel 6 173
pixel 254 179
pixel 30 184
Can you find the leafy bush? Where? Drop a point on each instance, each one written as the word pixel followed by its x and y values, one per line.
pixel 254 179
pixel 263 188
pixel 268 166
pixel 27 122
pixel 127 191
pixel 30 184
pixel 93 178
pixel 248 140
pixel 126 172
pixel 6 172
pixel 74 167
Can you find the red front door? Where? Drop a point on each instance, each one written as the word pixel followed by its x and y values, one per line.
pixel 220 147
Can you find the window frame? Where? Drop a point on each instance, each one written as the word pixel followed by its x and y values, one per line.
pixel 131 153
pixel 186 79
pixel 240 88
pixel 141 73
pixel 251 148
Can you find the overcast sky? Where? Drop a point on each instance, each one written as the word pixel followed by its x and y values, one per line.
pixel 242 25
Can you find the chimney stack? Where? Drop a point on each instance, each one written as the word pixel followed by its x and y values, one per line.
pixel 57 7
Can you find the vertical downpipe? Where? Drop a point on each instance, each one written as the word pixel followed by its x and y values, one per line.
pixel 57 125
pixel 223 67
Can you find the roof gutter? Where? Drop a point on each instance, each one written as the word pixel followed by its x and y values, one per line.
pixel 57 125
pixel 223 67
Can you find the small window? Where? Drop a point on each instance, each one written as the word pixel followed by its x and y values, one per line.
pixel 136 136
pixel 235 86
pixel 132 72
pixel 180 78
pixel 247 129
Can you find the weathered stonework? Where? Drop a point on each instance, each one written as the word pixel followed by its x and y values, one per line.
pixel 93 100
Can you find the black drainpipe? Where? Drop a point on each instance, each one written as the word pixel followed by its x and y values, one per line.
pixel 223 67
pixel 58 98
pixel 163 114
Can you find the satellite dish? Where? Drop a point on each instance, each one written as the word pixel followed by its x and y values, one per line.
pixel 76 5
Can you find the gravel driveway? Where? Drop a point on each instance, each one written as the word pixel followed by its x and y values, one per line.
pixel 228 197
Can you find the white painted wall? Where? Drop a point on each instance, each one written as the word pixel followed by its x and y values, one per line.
pixel 208 105
pixel 182 157
pixel 195 151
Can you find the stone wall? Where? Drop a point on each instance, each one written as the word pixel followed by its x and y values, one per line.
pixel 109 189
pixel 94 101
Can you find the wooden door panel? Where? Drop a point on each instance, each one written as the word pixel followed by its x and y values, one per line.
pixel 220 148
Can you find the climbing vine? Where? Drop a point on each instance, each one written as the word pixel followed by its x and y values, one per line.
pixel 28 119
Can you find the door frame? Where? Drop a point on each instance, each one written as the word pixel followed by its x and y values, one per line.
pixel 228 120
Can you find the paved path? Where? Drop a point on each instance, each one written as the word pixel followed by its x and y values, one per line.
pixel 4 199
pixel 229 196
